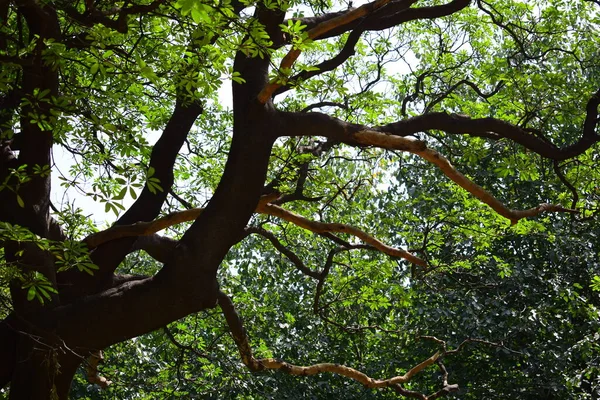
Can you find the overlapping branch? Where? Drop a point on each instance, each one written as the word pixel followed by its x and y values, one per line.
pixel 396 12
pixel 319 30
pixel 264 207
pixel 393 136
pixel 150 227
pixel 374 138
pixel 284 250
pixel 323 227
pixel 241 339
pixel 485 127
pixel 148 204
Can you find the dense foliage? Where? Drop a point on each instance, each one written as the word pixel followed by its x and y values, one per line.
pixel 299 199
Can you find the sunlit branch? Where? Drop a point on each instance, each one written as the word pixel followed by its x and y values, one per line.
pixel 241 339
pixel 148 228
pixel 323 227
pixel 320 29
pixel 395 13
pixel 417 147
pixel 151 227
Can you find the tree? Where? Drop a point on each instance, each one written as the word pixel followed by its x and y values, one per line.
pixel 420 145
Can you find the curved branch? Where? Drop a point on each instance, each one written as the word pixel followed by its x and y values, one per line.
pixel 241 339
pixel 395 13
pixel 568 184
pixel 326 66
pixel 323 227
pixel 391 136
pixel 158 247
pixel 461 124
pixel 323 104
pixel 319 30
pixel 264 207
pixel 383 17
pixel 472 85
pixel 182 346
pixel 382 140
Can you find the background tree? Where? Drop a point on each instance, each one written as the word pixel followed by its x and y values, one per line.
pixel 404 190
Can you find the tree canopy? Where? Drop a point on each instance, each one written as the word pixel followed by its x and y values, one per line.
pixel 303 199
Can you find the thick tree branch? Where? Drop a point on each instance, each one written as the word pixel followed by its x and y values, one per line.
pixel 146 207
pixel 158 247
pixel 116 314
pixel 391 136
pixel 162 159
pixel 395 13
pixel 36 121
pixel 147 228
pixel 241 339
pixel 119 279
pixel 461 124
pixel 255 70
pixel 319 30
pixel 382 140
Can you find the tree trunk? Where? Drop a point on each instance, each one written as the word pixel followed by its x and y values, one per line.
pixel 42 371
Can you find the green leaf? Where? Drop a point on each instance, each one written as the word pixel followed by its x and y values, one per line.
pixel 31 293
pixel 121 194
